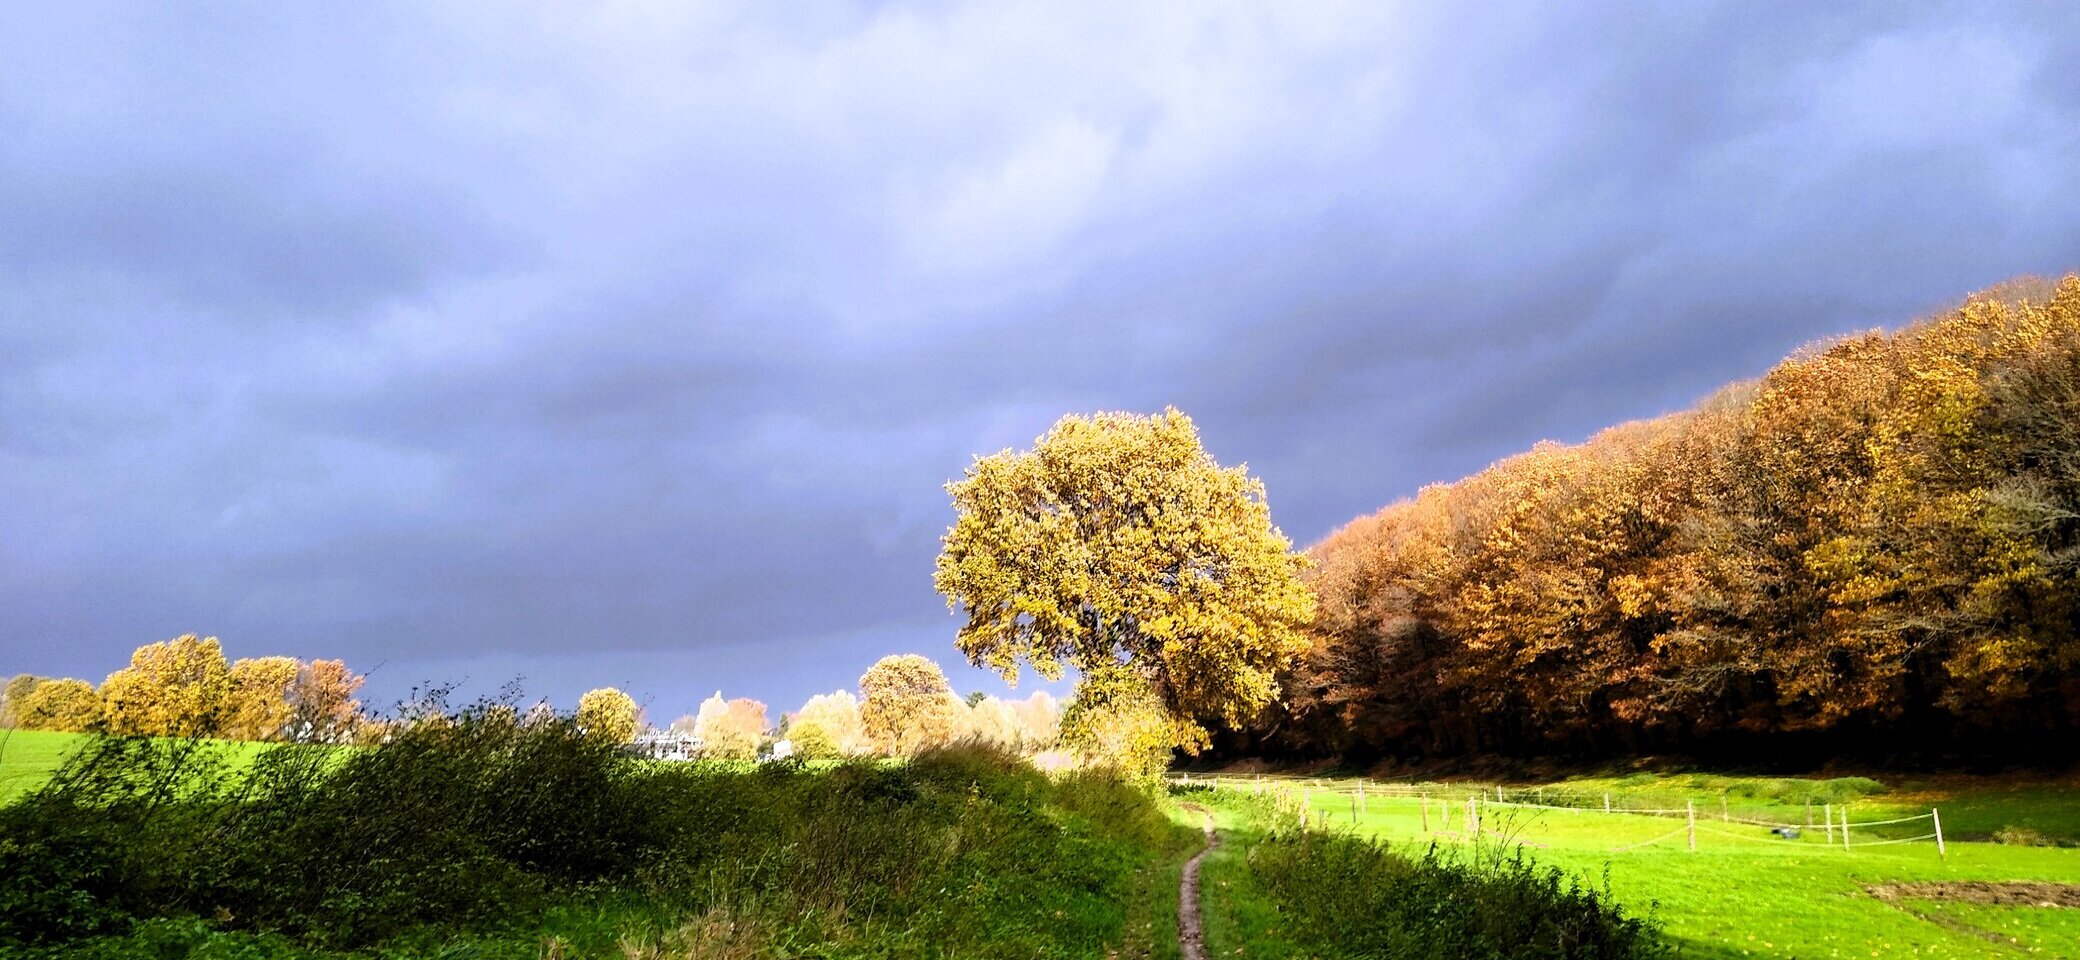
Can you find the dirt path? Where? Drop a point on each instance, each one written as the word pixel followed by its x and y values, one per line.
pixel 1191 936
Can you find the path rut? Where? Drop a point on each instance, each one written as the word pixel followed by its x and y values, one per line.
pixel 1191 934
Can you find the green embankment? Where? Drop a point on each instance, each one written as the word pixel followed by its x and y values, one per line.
pixel 491 841
pixel 1746 893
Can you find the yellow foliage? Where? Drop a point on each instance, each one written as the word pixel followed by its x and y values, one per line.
pixel 836 716
pixel 1118 538
pixel 730 729
pixel 70 706
pixel 609 714
pixel 258 707
pixel 175 688
pixel 906 705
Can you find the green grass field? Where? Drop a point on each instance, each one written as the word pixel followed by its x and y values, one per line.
pixel 1745 893
pixel 1741 893
pixel 29 757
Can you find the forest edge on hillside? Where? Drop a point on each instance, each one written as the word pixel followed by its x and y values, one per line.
pixel 1873 550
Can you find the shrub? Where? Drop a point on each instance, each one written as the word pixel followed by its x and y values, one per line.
pixel 2016 835
pixel 475 834
pixel 1353 897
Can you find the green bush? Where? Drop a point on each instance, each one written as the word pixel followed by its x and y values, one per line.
pixel 479 835
pixel 1349 896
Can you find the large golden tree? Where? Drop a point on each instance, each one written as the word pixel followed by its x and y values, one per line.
pixel 1118 542
pixel 174 688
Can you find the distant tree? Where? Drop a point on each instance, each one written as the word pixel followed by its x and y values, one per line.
pixel 65 705
pixel 257 706
pixel 991 721
pixel 540 713
pixel 749 715
pixel 907 705
pixel 12 695
pixel 1119 540
pixel 730 729
pixel 837 716
pixel 974 697
pixel 174 688
pixel 1039 721
pixel 812 742
pixel 324 708
pixel 609 714
pixel 685 724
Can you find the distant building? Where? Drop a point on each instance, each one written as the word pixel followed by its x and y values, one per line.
pixel 781 750
pixel 666 745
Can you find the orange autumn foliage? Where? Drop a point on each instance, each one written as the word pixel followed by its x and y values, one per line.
pixel 1882 534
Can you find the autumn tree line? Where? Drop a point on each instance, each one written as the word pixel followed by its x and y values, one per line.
pixel 905 706
pixel 185 687
pixel 1878 542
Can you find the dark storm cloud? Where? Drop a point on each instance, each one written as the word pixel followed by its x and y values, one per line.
pixel 633 344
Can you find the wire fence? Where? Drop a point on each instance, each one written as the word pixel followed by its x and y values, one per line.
pixel 1462 808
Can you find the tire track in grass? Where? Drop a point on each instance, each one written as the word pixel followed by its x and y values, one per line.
pixel 1191 934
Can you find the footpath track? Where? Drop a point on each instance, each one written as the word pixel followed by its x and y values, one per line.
pixel 1191 933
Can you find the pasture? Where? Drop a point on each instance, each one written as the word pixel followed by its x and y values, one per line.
pixel 479 837
pixel 1743 892
pixel 29 757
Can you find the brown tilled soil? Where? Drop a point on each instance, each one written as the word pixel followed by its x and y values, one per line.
pixel 2010 894
pixel 1191 936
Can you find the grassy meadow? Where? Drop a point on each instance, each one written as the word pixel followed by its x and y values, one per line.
pixel 29 757
pixel 1744 892
pixel 504 844
pixel 483 838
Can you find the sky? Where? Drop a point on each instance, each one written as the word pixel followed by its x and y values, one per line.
pixel 632 344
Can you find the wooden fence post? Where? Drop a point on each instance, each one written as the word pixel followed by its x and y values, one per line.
pixel 1937 815
pixel 1426 813
pixel 1845 826
pixel 1692 805
pixel 1606 801
pixel 1724 816
pixel 1361 798
pixel 1827 813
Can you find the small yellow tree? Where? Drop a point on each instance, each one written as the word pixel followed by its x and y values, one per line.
pixel 1039 721
pixel 908 705
pixel 836 715
pixel 1117 720
pixel 175 688
pixel 730 729
pixel 12 695
pixel 991 721
pixel 609 714
pixel 67 705
pixel 257 706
